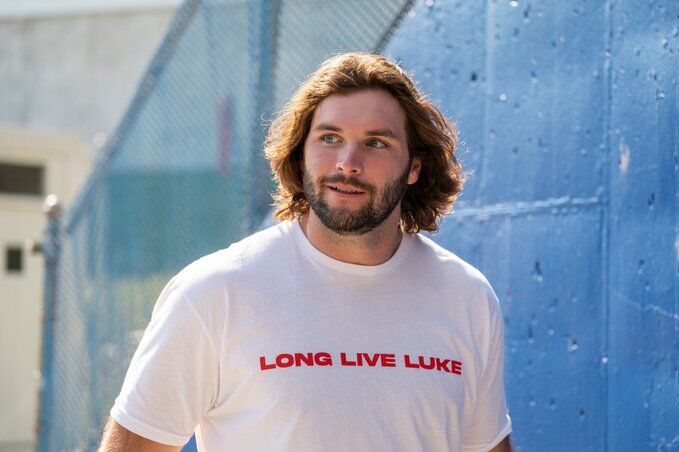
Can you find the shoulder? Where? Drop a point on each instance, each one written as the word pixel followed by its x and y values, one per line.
pixel 208 277
pixel 466 290
pixel 449 266
pixel 460 284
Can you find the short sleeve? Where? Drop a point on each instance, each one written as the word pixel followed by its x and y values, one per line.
pixel 173 377
pixel 491 422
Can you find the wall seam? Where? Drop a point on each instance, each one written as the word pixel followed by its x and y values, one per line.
pixel 606 205
pixel 562 205
pixel 486 79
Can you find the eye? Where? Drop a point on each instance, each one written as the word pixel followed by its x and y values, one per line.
pixel 376 144
pixel 329 138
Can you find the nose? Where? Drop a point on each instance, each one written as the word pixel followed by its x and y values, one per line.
pixel 349 160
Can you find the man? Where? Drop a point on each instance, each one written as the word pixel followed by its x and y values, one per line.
pixel 340 328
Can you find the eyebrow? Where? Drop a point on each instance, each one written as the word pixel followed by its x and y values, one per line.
pixel 377 133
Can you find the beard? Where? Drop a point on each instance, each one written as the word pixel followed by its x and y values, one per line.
pixel 346 221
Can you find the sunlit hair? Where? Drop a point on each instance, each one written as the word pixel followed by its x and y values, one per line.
pixel 431 138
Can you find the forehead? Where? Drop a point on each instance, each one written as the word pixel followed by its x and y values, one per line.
pixel 365 109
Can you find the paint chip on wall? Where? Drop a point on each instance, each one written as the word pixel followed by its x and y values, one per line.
pixel 624 158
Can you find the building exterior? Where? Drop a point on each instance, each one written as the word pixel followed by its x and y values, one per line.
pixel 32 164
pixel 68 69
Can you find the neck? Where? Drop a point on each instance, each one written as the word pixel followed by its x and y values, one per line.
pixel 372 248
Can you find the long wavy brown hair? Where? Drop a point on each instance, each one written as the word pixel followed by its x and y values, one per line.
pixel 431 138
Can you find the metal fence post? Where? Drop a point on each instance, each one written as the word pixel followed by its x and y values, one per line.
pixel 51 251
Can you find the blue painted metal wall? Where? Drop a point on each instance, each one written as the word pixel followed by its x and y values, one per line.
pixel 567 114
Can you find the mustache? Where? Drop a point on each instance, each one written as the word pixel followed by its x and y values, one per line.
pixel 353 181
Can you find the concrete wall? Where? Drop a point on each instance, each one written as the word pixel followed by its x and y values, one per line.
pixel 567 114
pixel 66 163
pixel 75 72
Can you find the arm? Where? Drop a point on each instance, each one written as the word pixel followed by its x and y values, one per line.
pixel 117 438
pixel 172 380
pixel 504 446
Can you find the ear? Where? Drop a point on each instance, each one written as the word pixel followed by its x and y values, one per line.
pixel 415 169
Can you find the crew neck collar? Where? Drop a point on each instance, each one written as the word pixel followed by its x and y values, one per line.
pixel 344 267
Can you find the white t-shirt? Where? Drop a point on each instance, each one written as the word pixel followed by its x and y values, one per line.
pixel 270 345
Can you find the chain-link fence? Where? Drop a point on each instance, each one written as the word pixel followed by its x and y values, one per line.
pixel 182 176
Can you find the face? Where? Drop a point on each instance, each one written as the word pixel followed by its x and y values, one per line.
pixel 356 162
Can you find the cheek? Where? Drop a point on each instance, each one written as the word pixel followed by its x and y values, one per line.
pixel 318 163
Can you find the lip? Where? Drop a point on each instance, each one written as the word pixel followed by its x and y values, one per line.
pixel 332 188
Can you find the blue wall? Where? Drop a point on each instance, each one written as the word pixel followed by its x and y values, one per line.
pixel 567 113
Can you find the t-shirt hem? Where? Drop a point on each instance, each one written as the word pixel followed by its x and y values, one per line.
pixel 142 429
pixel 498 438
